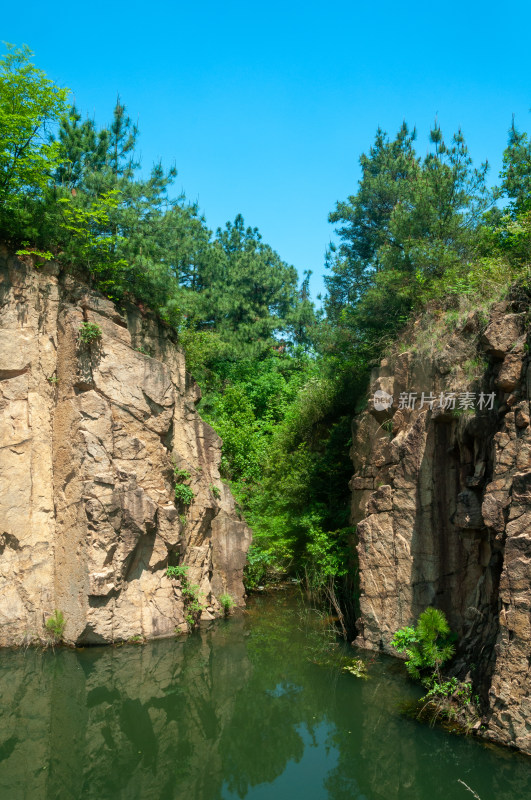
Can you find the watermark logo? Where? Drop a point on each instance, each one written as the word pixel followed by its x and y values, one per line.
pixel 382 401
pixel 447 401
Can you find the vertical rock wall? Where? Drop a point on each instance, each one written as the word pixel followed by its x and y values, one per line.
pixel 90 436
pixel 442 502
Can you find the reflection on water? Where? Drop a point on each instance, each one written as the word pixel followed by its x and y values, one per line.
pixel 235 711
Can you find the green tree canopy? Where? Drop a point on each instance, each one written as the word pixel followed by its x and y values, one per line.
pixel 410 220
pixel 388 172
pixel 31 105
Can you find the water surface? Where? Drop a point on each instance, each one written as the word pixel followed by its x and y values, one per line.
pixel 238 710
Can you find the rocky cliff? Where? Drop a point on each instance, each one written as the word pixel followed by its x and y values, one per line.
pixel 442 501
pixel 90 436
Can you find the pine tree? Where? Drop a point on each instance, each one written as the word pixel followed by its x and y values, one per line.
pixel 83 150
pixel 255 289
pixel 516 171
pixel 434 229
pixel 302 319
pixel 410 221
pixel 388 173
pixel 427 646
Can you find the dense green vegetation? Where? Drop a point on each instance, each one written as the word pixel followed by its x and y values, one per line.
pixel 280 380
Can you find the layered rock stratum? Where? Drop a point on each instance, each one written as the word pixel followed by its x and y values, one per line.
pixel 90 438
pixel 442 501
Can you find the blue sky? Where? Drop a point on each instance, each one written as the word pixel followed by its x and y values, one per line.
pixel 265 108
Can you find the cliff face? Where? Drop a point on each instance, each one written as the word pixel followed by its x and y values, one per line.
pixel 89 439
pixel 442 502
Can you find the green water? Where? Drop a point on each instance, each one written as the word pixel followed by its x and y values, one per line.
pixel 237 710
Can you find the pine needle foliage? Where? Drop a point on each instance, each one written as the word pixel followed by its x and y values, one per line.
pixel 427 646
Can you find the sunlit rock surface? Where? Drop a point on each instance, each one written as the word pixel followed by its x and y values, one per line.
pixel 90 436
pixel 442 502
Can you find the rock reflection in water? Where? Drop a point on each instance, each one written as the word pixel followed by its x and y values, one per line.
pixel 234 711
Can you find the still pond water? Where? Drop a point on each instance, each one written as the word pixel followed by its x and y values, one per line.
pixel 237 710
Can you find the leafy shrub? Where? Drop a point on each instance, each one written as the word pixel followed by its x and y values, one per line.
pixel 184 494
pixel 452 687
pixel 215 491
pixel 193 607
pixel 38 255
pixel 327 552
pixel 256 568
pixel 190 590
pixel 182 475
pixel 179 571
pixel 227 603
pixel 451 700
pixel 55 625
pixel 267 561
pixel 89 332
pixel 192 604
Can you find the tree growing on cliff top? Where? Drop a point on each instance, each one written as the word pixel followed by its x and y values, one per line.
pixel 30 106
pixel 388 172
pixel 516 171
pixel 410 220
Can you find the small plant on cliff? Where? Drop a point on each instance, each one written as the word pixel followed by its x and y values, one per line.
pixel 89 332
pixel 181 475
pixel 192 605
pixel 474 368
pixel 184 494
pixel 177 572
pixel 450 688
pixel 227 603
pixel 451 700
pixel 190 592
pixel 55 625
pixel 39 255
pixel 215 491
pixel 428 646
pixel 387 426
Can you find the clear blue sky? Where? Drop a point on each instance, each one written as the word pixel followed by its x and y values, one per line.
pixel 265 108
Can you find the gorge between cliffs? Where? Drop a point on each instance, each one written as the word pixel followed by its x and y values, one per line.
pixel 93 435
pixel 265 492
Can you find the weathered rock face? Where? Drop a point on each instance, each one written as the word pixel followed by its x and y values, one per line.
pixel 442 502
pixel 90 436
